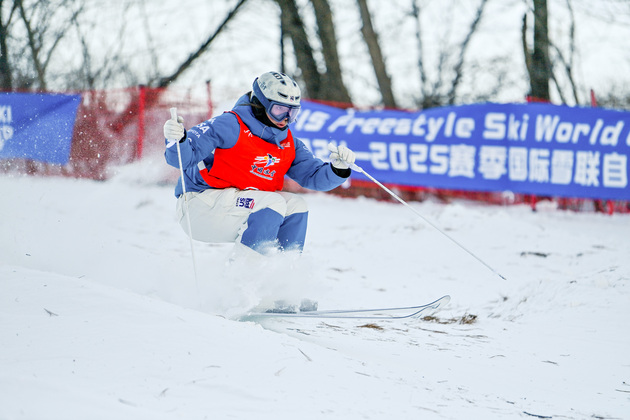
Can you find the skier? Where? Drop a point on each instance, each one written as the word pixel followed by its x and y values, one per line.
pixel 234 167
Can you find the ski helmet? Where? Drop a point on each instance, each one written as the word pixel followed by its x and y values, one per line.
pixel 279 94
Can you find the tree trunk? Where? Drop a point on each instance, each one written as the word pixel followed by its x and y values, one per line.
pixel 540 72
pixel 293 26
pixel 333 88
pixel 6 80
pixel 371 39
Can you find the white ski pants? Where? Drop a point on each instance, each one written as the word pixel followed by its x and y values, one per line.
pixel 226 215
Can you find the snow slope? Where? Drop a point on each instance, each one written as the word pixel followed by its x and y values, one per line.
pixel 101 316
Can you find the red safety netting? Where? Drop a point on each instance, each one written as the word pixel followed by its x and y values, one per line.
pixel 118 126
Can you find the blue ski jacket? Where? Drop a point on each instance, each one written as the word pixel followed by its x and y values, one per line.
pixel 223 131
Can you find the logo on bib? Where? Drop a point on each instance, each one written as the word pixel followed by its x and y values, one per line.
pixel 261 165
pixel 268 160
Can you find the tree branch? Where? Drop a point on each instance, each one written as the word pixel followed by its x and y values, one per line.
pixel 463 48
pixel 165 81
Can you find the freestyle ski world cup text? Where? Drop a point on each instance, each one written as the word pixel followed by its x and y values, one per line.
pixel 528 148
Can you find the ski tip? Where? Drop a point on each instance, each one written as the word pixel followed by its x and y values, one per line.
pixel 443 301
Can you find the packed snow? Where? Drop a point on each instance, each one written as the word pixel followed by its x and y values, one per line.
pixel 103 317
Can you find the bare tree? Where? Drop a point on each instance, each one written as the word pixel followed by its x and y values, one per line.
pixel 333 88
pixel 6 79
pixel 537 60
pixel 566 62
pixel 150 41
pixel 327 85
pixel 459 65
pixel 165 81
pixel 90 75
pixel 293 27
pixel 442 91
pixel 378 62
pixel 44 32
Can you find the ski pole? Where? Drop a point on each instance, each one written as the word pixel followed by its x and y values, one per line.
pixel 359 169
pixel 181 173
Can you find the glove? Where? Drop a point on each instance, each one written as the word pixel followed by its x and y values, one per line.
pixel 341 157
pixel 174 130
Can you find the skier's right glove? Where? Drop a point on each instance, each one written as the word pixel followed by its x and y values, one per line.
pixel 341 157
pixel 174 130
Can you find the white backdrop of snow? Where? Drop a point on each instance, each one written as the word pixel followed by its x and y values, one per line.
pixel 101 316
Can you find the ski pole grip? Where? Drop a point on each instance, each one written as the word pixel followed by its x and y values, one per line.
pixel 332 148
pixel 174 113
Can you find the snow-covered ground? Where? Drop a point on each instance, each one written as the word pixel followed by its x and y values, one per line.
pixel 101 316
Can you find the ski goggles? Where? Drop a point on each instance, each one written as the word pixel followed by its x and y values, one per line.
pixel 280 112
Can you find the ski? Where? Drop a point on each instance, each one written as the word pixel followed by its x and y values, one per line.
pixel 367 314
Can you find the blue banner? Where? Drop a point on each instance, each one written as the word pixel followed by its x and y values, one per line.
pixel 537 149
pixel 37 126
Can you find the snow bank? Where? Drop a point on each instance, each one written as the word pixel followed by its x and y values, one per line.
pixel 101 315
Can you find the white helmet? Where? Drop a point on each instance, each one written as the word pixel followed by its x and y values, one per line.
pixel 279 94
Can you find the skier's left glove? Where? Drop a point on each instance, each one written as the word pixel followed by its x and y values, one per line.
pixel 341 157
